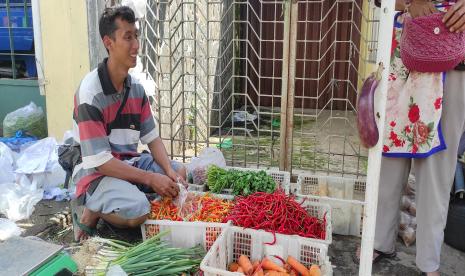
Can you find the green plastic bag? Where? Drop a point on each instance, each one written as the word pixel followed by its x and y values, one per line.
pixel 30 119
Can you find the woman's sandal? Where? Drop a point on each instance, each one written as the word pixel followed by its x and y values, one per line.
pixel 381 255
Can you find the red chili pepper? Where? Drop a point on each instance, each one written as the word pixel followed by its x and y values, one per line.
pixel 279 258
pixel 274 239
pixel 276 212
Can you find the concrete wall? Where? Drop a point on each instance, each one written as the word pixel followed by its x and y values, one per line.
pixel 97 51
pixel 65 57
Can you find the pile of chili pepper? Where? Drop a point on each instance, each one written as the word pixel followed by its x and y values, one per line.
pixel 276 212
pixel 164 209
pixel 199 208
pixel 212 209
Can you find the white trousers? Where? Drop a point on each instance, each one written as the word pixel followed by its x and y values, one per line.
pixel 434 177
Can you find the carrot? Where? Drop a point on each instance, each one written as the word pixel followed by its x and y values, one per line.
pixel 276 273
pixel 259 272
pixel 315 270
pixel 233 267
pixel 246 265
pixel 298 266
pixel 267 264
pixel 255 264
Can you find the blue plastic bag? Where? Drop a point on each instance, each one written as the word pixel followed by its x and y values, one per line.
pixel 20 139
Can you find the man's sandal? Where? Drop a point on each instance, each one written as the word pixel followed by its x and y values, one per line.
pixel 90 231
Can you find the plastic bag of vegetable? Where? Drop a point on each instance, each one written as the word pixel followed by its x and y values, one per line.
pixel 410 187
pixel 406 202
pixel 197 169
pixel 408 236
pixel 29 119
pixel 405 220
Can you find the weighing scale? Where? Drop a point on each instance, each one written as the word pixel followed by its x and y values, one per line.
pixel 35 257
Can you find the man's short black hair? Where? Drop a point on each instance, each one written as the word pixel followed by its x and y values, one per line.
pixel 107 25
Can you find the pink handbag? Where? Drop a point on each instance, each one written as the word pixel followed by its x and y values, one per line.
pixel 428 46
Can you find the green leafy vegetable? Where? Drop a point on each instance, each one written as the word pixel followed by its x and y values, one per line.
pixel 241 182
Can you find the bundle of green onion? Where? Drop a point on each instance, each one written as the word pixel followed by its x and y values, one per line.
pixel 151 257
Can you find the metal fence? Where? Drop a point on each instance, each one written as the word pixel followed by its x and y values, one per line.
pixel 17 59
pixel 271 83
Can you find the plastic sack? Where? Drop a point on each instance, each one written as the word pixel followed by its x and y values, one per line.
pixel 17 200
pixel 138 6
pixel 7 154
pixel 8 229
pixel 408 236
pixel 197 169
pixel 38 157
pixel 53 178
pixel 29 119
pixel 7 162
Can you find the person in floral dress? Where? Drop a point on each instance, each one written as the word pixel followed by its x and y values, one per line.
pixel 424 123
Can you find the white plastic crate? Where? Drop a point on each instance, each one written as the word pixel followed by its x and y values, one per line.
pixel 184 234
pixel 320 211
pixel 344 195
pixel 236 241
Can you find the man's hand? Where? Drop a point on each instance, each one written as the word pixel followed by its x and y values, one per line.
pixel 455 17
pixel 163 185
pixel 176 176
pixel 421 8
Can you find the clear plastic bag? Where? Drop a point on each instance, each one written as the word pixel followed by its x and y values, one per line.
pixel 199 175
pixel 406 202
pixel 197 169
pixel 182 195
pixel 408 236
pixel 410 187
pixel 413 224
pixel 405 220
pixel 29 119
pixel 186 202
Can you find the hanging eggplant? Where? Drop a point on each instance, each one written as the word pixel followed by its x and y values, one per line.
pixel 366 119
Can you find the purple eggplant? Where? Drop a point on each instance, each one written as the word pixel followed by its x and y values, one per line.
pixel 366 119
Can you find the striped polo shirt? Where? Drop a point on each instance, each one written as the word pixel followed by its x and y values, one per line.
pixel 101 135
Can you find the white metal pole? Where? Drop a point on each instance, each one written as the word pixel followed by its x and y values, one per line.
pixel 36 25
pixel 374 155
